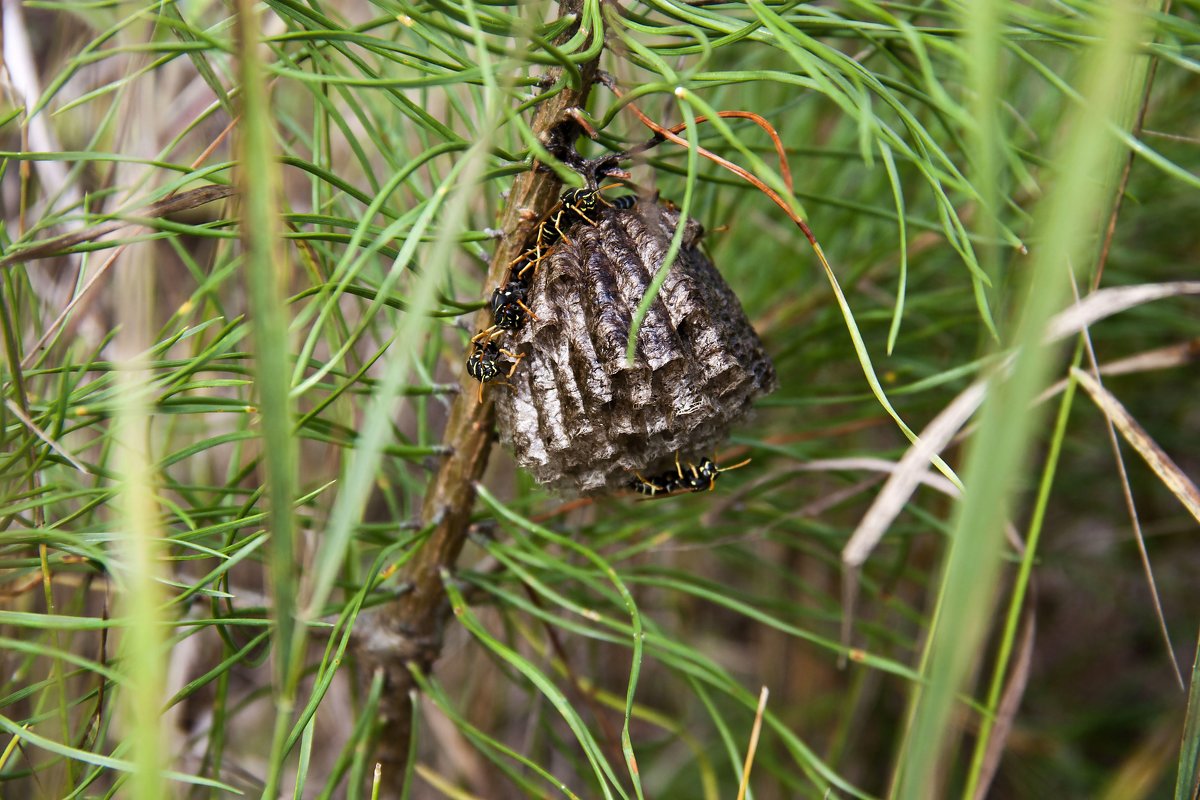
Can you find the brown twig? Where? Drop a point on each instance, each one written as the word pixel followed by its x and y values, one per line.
pixel 409 630
pixel 173 204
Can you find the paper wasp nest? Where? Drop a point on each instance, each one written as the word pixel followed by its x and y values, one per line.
pixel 577 415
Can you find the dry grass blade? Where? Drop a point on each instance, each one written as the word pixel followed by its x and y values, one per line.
pixel 1106 302
pixel 76 305
pixel 1173 355
pixel 909 473
pixel 45 437
pixel 1155 457
pixel 882 465
pixel 785 171
pixel 1131 508
pixel 1014 690
pixel 911 468
pixel 670 135
pixel 753 746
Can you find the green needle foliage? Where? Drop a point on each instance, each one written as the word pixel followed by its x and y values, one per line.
pixel 244 246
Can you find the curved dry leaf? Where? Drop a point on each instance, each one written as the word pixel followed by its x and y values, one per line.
pixel 1167 470
pixel 1173 355
pixel 931 479
pixel 1106 302
pixel 904 481
pixel 910 469
pixel 909 472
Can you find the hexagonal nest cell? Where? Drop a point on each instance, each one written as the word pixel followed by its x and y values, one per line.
pixel 577 415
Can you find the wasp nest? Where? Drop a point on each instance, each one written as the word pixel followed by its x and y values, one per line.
pixel 578 415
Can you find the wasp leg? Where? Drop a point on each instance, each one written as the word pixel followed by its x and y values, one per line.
pixel 486 333
pixel 518 358
pixel 528 311
pixel 530 265
pixel 540 251
pixel 654 487
pixel 534 254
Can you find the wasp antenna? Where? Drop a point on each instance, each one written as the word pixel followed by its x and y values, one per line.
pixel 738 465
pixel 480 393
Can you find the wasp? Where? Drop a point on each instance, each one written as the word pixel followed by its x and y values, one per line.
pixel 624 202
pixel 484 363
pixel 666 483
pixel 508 306
pixel 574 205
pixel 692 478
pixel 578 203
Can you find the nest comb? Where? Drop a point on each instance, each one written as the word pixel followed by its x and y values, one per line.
pixel 577 415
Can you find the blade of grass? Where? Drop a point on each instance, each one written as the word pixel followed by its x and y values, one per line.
pixel 266 275
pixel 605 778
pixel 977 779
pixel 1000 448
pixel 1187 784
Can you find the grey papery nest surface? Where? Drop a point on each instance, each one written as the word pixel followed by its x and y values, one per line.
pixel 577 416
